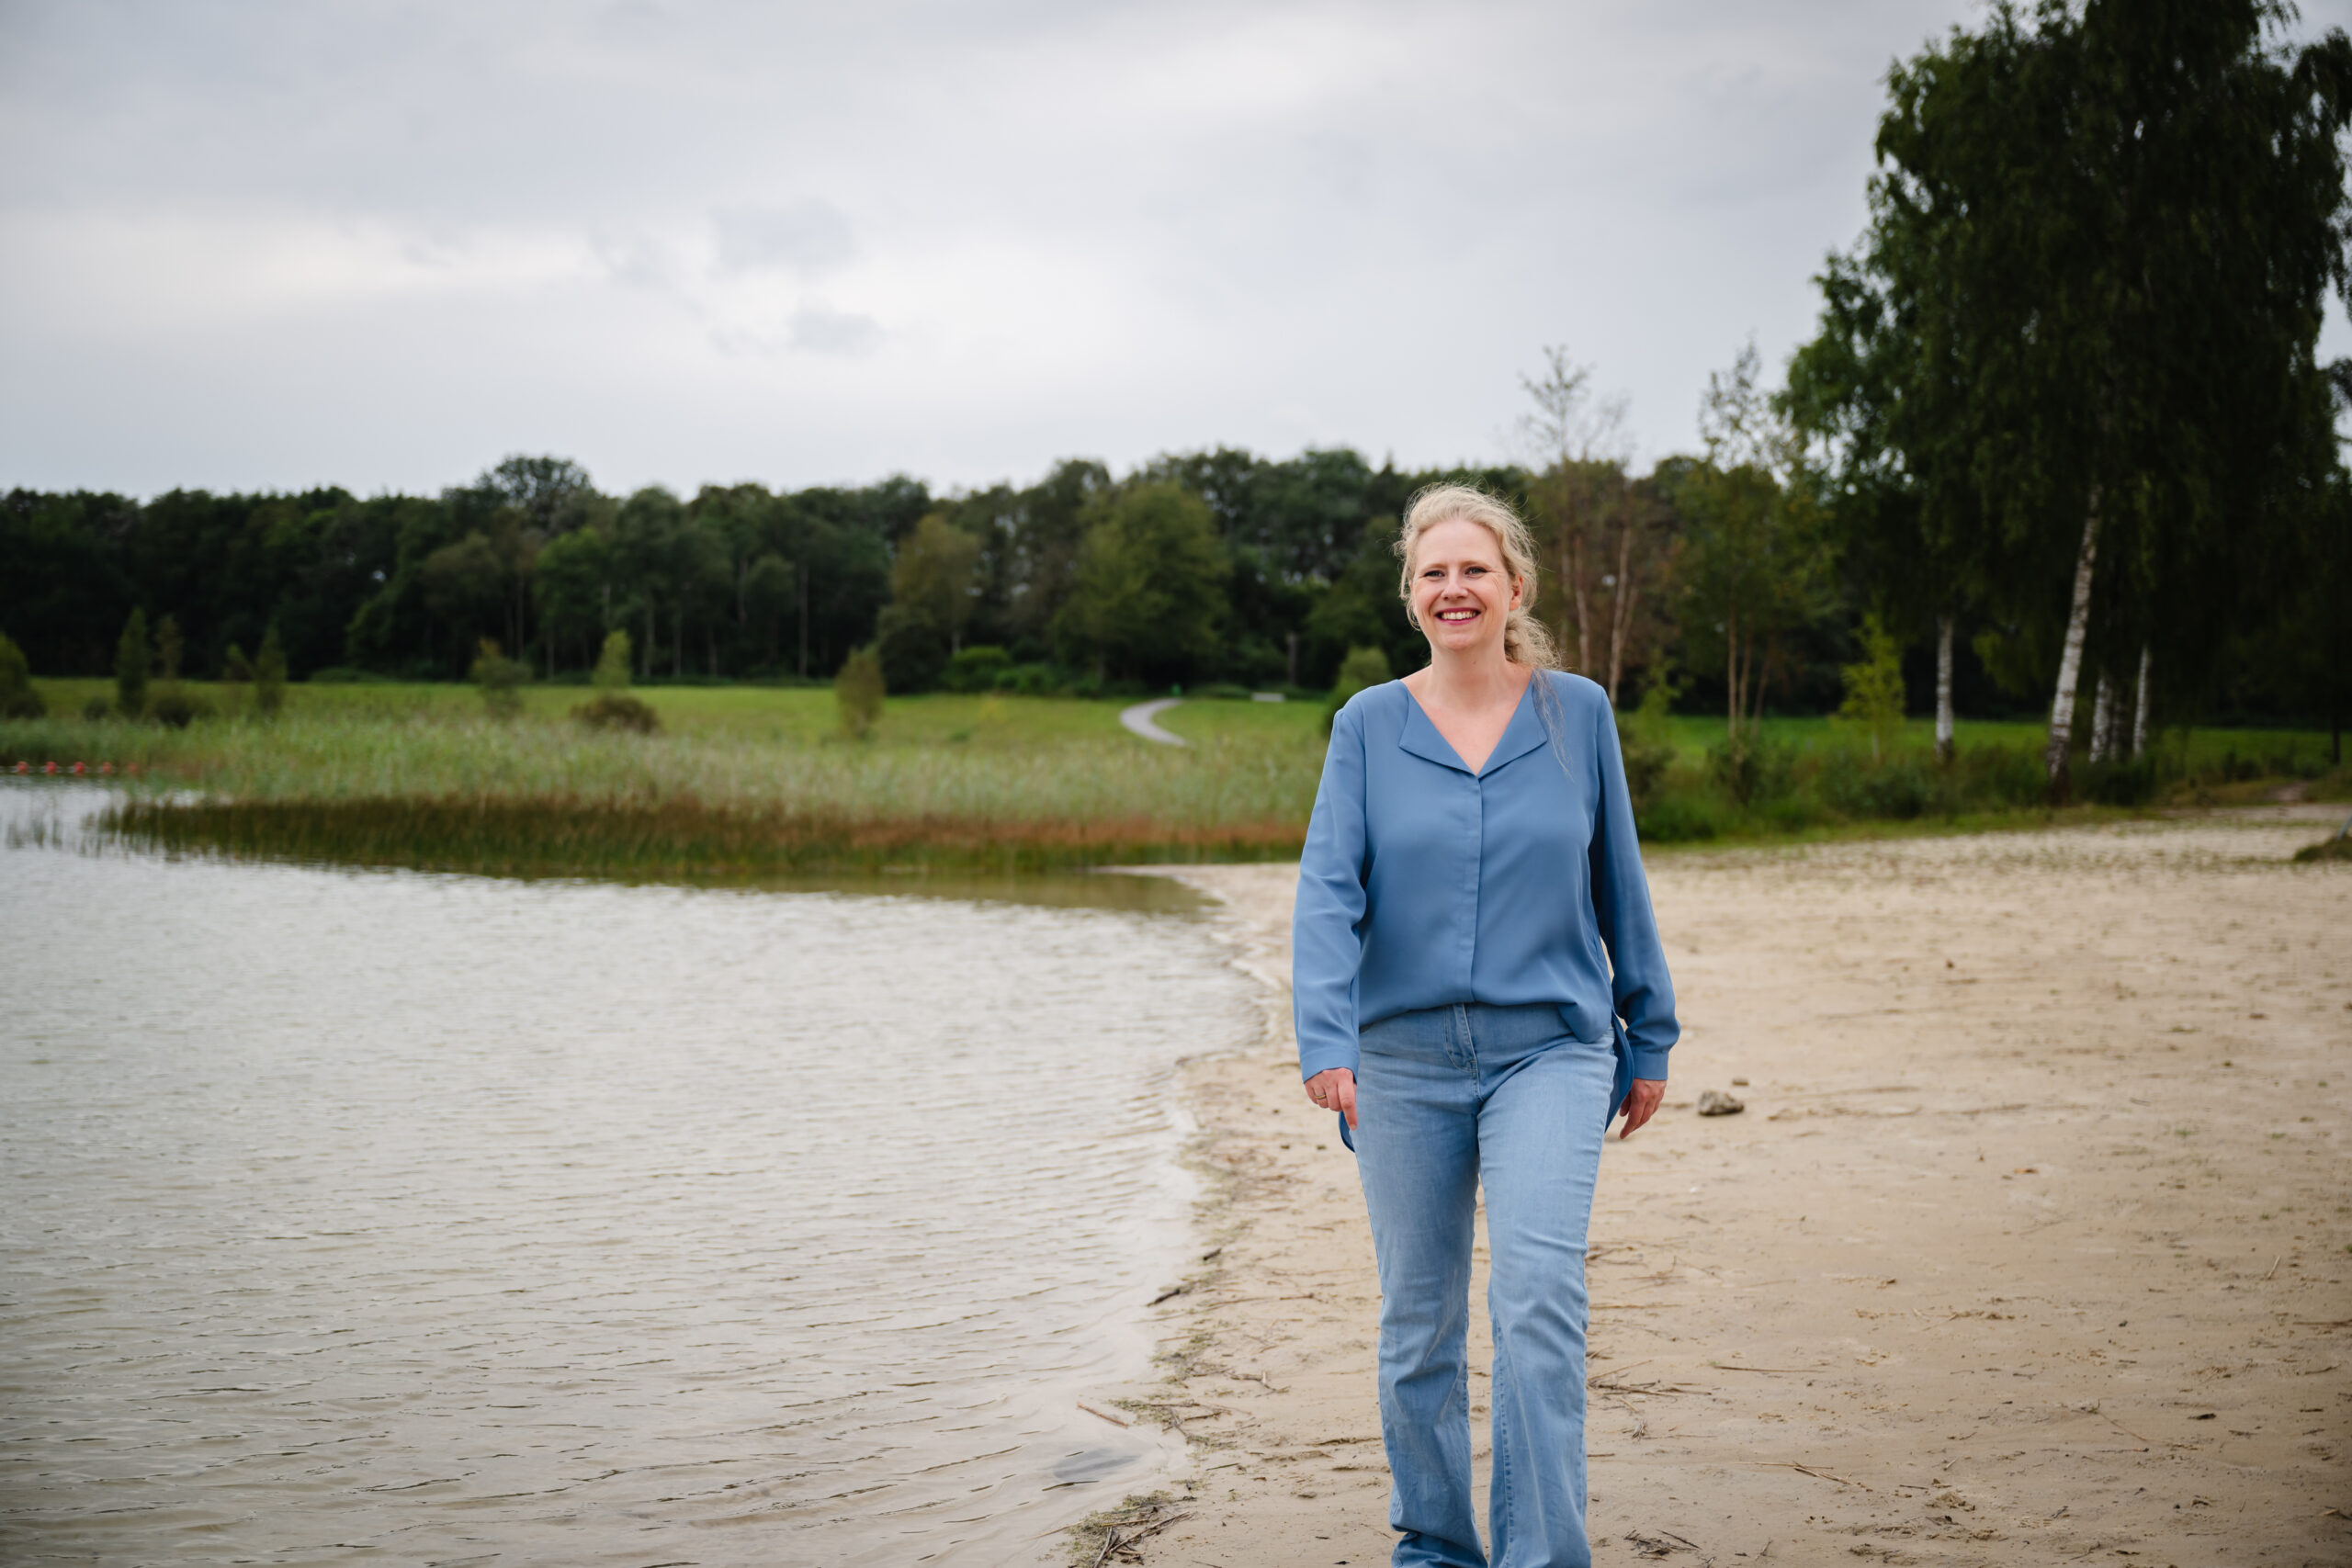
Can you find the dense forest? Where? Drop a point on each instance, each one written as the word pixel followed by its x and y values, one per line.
pixel 2061 441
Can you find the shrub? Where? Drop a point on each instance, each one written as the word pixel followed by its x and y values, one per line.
pixel 1752 768
pixel 975 669
pixel 1676 817
pixel 1649 748
pixel 130 666
pixel 1997 776
pixel 500 680
pixel 1222 691
pixel 97 708
pixel 1874 690
pixel 1029 680
pixel 618 710
pixel 1898 790
pixel 269 674
pixel 173 706
pixel 2119 783
pixel 612 667
pixel 1362 666
pixel 859 691
pixel 18 698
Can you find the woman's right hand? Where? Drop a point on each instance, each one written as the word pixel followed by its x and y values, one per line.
pixel 1334 1089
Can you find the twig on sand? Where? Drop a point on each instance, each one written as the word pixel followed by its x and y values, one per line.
pixel 1113 1542
pixel 2129 1433
pixel 1823 1475
pixel 1726 1366
pixel 2274 1266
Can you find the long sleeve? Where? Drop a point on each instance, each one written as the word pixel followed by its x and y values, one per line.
pixel 1643 992
pixel 1326 933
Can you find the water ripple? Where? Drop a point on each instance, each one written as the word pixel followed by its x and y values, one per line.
pixel 468 1220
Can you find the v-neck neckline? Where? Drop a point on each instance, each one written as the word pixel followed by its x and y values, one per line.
pixel 1452 756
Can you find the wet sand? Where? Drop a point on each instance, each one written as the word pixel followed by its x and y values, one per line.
pixel 2031 1245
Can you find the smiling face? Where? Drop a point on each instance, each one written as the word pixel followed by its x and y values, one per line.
pixel 1461 591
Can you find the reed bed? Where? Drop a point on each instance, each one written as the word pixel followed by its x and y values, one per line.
pixel 554 799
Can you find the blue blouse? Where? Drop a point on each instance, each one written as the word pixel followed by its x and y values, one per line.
pixel 1424 884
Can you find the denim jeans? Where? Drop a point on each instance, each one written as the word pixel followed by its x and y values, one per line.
pixel 1446 1099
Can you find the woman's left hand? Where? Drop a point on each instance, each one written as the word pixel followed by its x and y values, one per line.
pixel 1641 1103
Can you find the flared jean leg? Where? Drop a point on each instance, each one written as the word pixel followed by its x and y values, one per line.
pixel 1540 1130
pixel 1417 1152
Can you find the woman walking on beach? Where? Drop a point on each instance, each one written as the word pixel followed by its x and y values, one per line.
pixel 1478 989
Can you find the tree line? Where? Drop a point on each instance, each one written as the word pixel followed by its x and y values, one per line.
pixel 2060 441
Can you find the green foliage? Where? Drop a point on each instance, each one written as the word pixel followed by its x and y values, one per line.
pixel 269 675
pixel 612 663
pixel 858 689
pixel 169 647
pixel 912 649
pixel 618 710
pixel 932 602
pixel 237 669
pixel 1149 595
pixel 499 679
pixel 173 705
pixel 1755 567
pixel 18 698
pixel 977 668
pixel 1898 791
pixel 132 661
pixel 2085 312
pixel 1363 668
pixel 1645 739
pixel 1751 767
pixel 1873 702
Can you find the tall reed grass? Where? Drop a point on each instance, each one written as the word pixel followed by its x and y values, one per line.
pixel 537 798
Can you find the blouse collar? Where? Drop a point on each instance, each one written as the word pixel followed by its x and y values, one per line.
pixel 1523 734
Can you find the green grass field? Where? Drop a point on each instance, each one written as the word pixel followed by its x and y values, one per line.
pixel 761 782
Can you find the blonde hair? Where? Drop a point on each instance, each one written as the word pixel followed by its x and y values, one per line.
pixel 1525 638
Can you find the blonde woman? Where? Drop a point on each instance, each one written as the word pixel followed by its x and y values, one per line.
pixel 1478 991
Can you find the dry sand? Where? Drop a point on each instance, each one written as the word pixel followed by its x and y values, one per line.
pixel 2029 1246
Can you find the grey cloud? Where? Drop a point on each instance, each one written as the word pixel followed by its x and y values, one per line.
pixel 1089 229
pixel 810 238
pixel 819 330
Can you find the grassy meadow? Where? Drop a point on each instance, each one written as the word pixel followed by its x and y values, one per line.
pixel 760 783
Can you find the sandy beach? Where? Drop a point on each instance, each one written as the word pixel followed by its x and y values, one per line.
pixel 2031 1244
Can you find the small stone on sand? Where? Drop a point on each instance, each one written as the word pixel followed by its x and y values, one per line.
pixel 1714 1102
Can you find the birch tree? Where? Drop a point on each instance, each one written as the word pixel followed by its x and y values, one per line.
pixel 2108 229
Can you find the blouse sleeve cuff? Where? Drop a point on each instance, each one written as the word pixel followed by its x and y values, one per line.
pixel 1323 1061
pixel 1649 1062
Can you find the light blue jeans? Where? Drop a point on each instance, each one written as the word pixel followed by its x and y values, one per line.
pixel 1447 1100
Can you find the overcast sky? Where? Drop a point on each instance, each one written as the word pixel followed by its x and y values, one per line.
pixel 246 245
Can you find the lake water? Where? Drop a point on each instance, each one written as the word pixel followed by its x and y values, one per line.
pixel 438 1219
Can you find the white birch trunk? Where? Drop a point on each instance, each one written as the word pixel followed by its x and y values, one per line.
pixel 2070 661
pixel 2140 708
pixel 2103 719
pixel 1944 688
